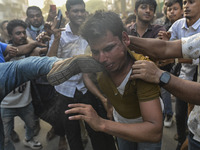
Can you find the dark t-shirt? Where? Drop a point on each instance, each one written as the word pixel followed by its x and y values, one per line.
pixel 151 32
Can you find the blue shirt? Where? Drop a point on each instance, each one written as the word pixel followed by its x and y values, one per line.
pixel 178 30
pixel 2 50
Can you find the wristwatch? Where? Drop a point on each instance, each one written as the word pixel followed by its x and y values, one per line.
pixel 164 78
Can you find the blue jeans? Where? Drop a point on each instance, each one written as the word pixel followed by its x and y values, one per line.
pixel 26 114
pixel 13 74
pixel 128 145
pixel 166 97
pixel 192 144
pixel 1 134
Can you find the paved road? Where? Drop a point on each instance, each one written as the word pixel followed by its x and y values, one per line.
pixel 168 143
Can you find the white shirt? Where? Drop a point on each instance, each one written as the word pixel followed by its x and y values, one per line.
pixel 179 30
pixel 191 49
pixel 191 46
pixel 71 45
pixel 116 115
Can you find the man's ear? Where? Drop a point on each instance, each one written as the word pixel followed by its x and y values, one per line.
pixel 135 11
pixel 125 38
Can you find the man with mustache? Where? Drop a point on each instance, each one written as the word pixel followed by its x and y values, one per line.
pixel 185 27
pixel 35 21
pixel 18 102
pixel 137 110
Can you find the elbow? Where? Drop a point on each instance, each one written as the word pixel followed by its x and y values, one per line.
pixel 157 137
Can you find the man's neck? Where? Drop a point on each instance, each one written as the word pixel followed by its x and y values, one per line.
pixel 119 75
pixel 191 21
pixel 37 28
pixel 74 28
pixel 142 27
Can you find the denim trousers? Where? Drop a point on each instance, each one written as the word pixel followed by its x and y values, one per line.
pixel 26 114
pixel 192 144
pixel 1 134
pixel 13 74
pixel 128 145
pixel 166 97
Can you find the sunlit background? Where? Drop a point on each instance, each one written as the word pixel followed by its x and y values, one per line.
pixel 40 3
pixel 16 9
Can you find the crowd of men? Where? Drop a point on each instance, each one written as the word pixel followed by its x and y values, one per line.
pixel 111 80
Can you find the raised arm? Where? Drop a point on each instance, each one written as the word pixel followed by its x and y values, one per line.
pixel 155 48
pixel 183 89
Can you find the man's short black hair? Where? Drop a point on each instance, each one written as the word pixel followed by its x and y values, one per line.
pixel 149 2
pixel 2 23
pixel 15 23
pixel 99 23
pixel 172 2
pixel 33 8
pixel 70 3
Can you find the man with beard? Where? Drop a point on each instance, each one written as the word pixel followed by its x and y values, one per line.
pixel 18 102
pixel 187 26
pixel 144 11
pixel 35 21
pixel 137 110
pixel 67 45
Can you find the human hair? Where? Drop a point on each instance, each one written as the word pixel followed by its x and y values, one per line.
pixel 70 3
pixel 33 8
pixel 2 23
pixel 15 23
pixel 172 2
pixel 99 23
pixel 149 2
pixel 130 18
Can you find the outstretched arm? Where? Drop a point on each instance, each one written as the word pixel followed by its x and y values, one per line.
pixel 150 130
pixel 183 89
pixel 155 48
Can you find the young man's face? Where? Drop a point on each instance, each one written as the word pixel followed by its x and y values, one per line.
pixel 35 18
pixel 19 36
pixel 191 9
pixel 76 14
pixel 110 51
pixel 145 13
pixel 174 12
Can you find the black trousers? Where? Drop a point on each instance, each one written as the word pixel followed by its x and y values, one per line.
pixel 51 108
pixel 181 119
pixel 99 140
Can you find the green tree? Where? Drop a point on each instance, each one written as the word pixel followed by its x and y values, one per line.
pixel 45 9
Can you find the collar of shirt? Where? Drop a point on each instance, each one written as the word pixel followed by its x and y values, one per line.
pixel 133 28
pixel 68 28
pixel 195 26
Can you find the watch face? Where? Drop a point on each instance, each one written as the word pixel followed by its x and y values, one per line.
pixel 165 77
